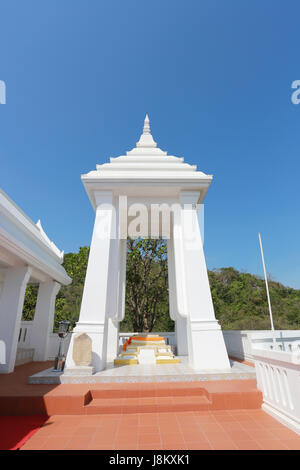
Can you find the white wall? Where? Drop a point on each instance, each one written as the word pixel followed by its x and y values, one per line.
pixel 24 334
pixel 238 342
pixel 24 340
pixel 54 344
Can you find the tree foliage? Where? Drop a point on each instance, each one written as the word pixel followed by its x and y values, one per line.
pixel 69 297
pixel 29 302
pixel 147 298
pixel 239 299
pixel 68 300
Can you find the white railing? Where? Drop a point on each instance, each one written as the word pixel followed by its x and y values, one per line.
pixel 27 326
pixel 238 342
pixel 53 345
pixel 24 342
pixel 278 377
pixel 24 334
pixel 25 352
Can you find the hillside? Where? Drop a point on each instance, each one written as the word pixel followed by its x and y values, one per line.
pixel 240 301
pixel 239 298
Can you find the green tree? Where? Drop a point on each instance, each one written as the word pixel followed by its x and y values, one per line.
pixel 68 300
pixel 29 302
pixel 147 298
pixel 240 301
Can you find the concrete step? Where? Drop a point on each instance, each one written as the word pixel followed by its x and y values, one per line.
pixel 147 404
pixel 222 391
pixel 131 359
pixel 152 399
pixel 125 362
pixel 133 391
pixel 172 360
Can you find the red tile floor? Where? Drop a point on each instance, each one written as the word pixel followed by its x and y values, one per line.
pixel 230 429
pixel 211 429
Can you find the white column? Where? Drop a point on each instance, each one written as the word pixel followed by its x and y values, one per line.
pixel 43 319
pixel 180 322
pixel 122 279
pixel 116 305
pixel 171 281
pixel 181 336
pixel 205 340
pixel 112 339
pixel 11 307
pixel 95 299
pixel 117 275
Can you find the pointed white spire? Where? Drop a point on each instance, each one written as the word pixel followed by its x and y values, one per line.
pixel 146 139
pixel 146 129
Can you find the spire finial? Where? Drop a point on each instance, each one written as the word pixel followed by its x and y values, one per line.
pixel 146 139
pixel 146 129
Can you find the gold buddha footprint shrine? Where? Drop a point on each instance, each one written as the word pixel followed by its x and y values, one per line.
pixel 146 350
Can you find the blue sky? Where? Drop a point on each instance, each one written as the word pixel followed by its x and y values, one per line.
pixel 215 78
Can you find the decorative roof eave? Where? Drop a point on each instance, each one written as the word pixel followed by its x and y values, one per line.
pixel 34 231
pixel 19 249
pixel 52 245
pixel 124 186
pixel 118 176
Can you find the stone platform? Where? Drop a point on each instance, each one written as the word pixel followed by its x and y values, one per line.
pixel 161 395
pixel 181 372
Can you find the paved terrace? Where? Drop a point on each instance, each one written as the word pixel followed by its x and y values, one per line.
pixel 216 430
pixel 181 372
pixel 188 422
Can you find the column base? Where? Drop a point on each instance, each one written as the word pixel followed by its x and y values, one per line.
pixel 5 369
pixel 181 336
pixel 207 348
pixel 112 339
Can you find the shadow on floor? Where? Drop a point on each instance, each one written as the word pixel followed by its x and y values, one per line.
pixel 16 430
pixel 17 397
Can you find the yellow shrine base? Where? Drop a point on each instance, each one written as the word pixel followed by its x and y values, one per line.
pixel 146 350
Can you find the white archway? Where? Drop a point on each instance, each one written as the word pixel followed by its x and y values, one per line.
pixel 146 177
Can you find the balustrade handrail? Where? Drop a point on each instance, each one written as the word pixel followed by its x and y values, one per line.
pixel 278 378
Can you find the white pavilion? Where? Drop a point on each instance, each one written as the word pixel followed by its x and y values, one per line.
pixel 27 255
pixel 125 193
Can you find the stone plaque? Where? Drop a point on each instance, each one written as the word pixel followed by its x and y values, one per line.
pixel 82 350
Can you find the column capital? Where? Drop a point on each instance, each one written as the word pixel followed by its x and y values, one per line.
pixel 54 285
pixel 103 197
pixel 19 272
pixel 189 197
